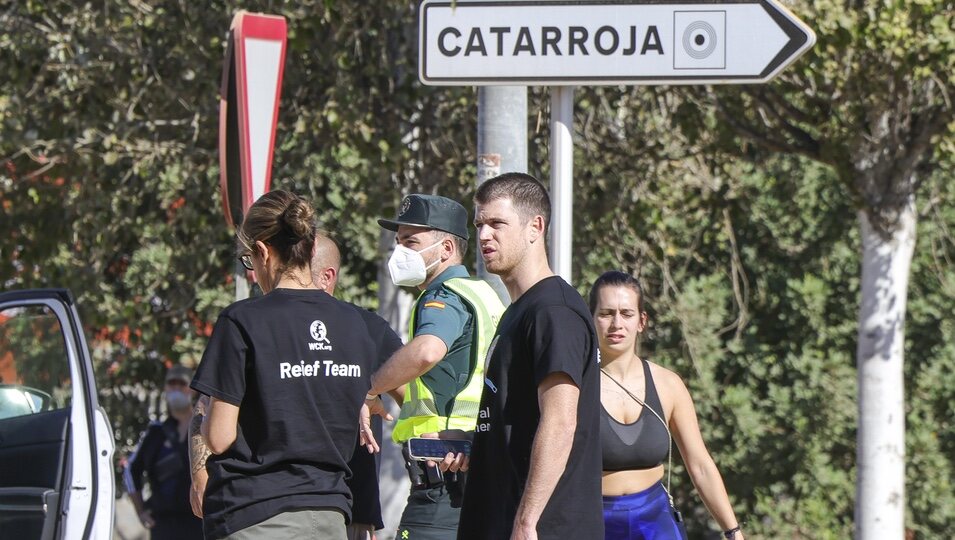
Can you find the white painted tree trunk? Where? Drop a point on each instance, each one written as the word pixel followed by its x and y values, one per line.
pixel 880 452
pixel 394 305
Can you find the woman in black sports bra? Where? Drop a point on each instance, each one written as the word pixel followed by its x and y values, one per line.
pixel 636 398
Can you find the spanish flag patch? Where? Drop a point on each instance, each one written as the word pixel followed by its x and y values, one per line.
pixel 434 304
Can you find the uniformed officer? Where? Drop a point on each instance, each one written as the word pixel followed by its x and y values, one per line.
pixel 442 366
pixel 162 459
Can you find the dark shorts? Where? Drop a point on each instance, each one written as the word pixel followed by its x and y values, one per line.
pixel 429 516
pixel 646 515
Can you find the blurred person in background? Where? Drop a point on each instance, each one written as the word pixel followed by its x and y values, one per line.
pixel 162 459
pixel 636 443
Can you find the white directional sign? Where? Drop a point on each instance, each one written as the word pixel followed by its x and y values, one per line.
pixel 561 42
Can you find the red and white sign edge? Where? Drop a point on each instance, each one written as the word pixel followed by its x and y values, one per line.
pixel 260 42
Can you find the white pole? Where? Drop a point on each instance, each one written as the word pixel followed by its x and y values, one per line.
pixel 880 440
pixel 561 179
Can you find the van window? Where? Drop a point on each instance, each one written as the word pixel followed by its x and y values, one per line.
pixel 34 365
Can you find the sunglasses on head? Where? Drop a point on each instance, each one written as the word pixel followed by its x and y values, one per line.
pixel 246 261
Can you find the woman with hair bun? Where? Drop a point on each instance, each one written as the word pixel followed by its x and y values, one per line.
pixel 642 404
pixel 286 373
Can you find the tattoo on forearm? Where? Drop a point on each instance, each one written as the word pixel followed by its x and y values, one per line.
pixel 198 451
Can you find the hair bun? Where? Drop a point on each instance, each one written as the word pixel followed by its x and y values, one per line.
pixel 299 219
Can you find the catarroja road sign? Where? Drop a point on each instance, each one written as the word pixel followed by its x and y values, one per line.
pixel 567 42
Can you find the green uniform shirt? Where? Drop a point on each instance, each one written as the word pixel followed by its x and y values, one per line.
pixel 442 313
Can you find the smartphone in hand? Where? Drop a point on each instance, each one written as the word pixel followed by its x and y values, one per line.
pixel 421 449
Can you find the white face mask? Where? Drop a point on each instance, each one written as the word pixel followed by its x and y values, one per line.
pixel 407 266
pixel 178 401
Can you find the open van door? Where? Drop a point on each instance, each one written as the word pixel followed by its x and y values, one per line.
pixel 56 444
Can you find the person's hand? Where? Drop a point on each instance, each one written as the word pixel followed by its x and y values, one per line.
pixel 451 462
pixel 365 434
pixel 146 518
pixel 197 491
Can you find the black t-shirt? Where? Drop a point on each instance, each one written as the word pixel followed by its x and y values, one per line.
pixel 366 506
pixel 548 330
pixel 297 363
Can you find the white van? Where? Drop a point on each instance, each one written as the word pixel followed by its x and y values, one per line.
pixel 56 444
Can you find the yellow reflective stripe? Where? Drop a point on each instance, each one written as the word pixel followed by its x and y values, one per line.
pixel 487 309
pixel 418 412
pixel 466 408
pixel 421 407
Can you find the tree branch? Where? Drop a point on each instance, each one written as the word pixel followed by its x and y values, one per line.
pixel 810 146
pixel 752 133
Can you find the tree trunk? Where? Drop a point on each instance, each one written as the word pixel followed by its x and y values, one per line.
pixel 880 482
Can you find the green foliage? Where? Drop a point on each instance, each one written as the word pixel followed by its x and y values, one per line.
pixel 744 233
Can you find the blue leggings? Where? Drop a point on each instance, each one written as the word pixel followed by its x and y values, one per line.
pixel 641 516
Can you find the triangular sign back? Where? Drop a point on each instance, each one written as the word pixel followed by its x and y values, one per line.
pixel 260 42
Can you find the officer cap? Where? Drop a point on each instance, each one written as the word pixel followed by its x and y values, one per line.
pixel 432 212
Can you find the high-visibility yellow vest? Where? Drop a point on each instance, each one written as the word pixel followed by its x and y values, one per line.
pixel 419 414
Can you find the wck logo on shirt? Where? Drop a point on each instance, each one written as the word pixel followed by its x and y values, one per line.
pixel 320 334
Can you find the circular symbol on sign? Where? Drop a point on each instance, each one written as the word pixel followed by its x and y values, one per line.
pixel 699 40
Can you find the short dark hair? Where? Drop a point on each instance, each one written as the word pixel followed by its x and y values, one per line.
pixel 460 244
pixel 528 195
pixel 615 278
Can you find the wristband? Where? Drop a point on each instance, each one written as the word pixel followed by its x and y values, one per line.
pixel 370 397
pixel 731 533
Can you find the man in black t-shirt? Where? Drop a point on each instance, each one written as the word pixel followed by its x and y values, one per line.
pixel 535 463
pixel 363 483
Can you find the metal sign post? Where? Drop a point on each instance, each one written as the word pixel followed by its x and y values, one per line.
pixel 574 43
pixel 501 147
